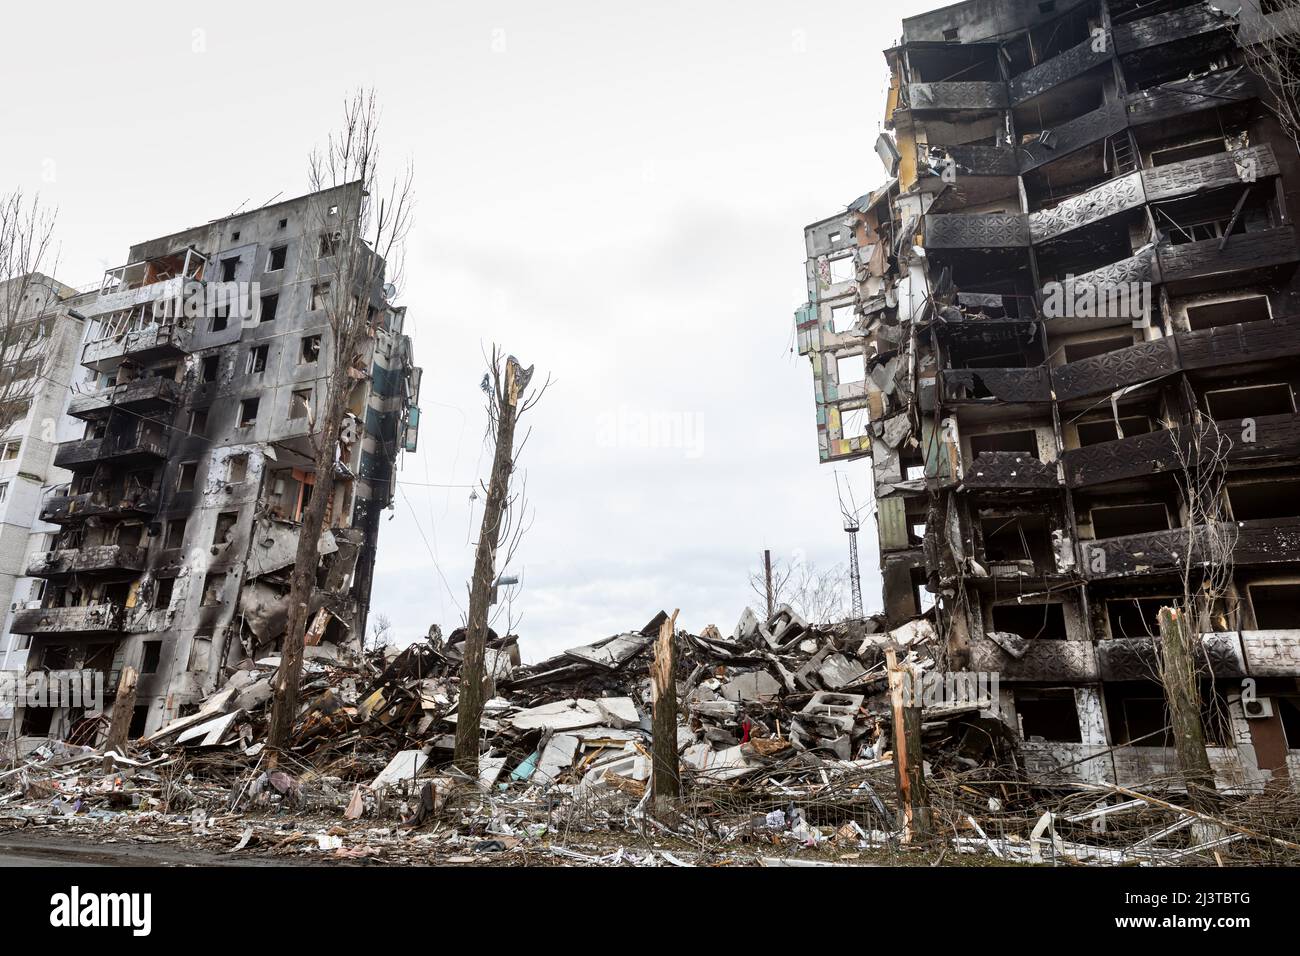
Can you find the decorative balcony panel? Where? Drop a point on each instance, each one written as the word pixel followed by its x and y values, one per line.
pixel 1134 658
pixel 1243 251
pixel 1105 373
pixel 1188 96
pixel 1261 542
pixel 1195 20
pixel 970 160
pixel 1272 653
pixel 1243 342
pixel 1016 385
pixel 957 96
pixel 1091 205
pixel 106 558
pixel 142 395
pixel 1009 469
pixel 145 345
pixel 1075 61
pixel 1044 660
pixel 1208 172
pixel 1134 457
pixel 87 451
pixel 978 231
pixel 1106 120
pixel 71 621
pixel 73 509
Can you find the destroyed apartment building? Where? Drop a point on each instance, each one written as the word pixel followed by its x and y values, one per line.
pixel 1064 336
pixel 207 362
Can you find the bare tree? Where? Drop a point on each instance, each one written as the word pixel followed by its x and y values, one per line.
pixel 818 595
pixel 379 629
pixel 26 292
pixel 503 527
pixel 356 243
pixel 1270 44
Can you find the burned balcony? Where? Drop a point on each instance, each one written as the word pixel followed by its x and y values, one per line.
pixel 975 96
pixel 133 449
pixel 1008 459
pixel 140 283
pixel 1050 73
pixel 72 509
pixel 969 159
pixel 1016 545
pixel 105 559
pixel 1230 258
pixel 1136 658
pixel 1064 138
pixel 976 231
pixel 1180 97
pixel 1260 542
pixel 91 619
pixel 993 385
pixel 146 343
pixel 145 395
pixel 1167 450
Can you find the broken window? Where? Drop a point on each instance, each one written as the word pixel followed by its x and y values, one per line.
pixel 199 421
pixel 220 317
pixel 1013 538
pixel 1021 442
pixel 224 533
pixel 270 305
pixel 257 359
pixel 1048 714
pixel 842 318
pixel 1136 617
pixel 139 722
pixel 279 255
pixel 329 244
pixel 1104 430
pixel 1031 621
pixel 1276 606
pixel 843 269
pixel 1232 403
pixel 248 412
pixel 850 368
pixel 163 593
pixel 1115 521
pixel 300 403
pixel 211 365
pixel 189 470
pixel 319 295
pixel 237 468
pixel 151 656
pixel 310 349
pixel 175 536
pixel 37 721
pixel 228 269
pixel 1250 309
pixel 1078 351
pixel 284 224
pixel 854 423
pixel 9 451
pixel 1180 154
pixel 1276 498
pixel 212 587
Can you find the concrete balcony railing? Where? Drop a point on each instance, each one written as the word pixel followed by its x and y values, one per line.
pixel 71 509
pixel 96 619
pixel 973 95
pixel 1196 20
pixel 1077 60
pixel 146 344
pixel 142 395
pixel 1260 542
pixel 1194 266
pixel 104 559
pixel 87 451
pixel 976 231
pixel 1015 385
pixel 968 159
pixel 1009 469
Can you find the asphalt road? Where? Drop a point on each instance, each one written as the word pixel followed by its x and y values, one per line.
pixel 45 849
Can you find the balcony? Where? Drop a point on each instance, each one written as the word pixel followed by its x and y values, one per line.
pixel 127 450
pixel 142 396
pixel 968 160
pixel 1015 385
pixel 1009 469
pixel 1135 658
pixel 104 559
pixel 1197 20
pixel 147 344
pixel 70 621
pixel 1180 97
pixel 1196 266
pixel 1261 542
pixel 1276 436
pixel 1118 195
pixel 1106 120
pixel 1105 373
pixel 73 509
pixel 979 231
pixel 980 96
pixel 1075 61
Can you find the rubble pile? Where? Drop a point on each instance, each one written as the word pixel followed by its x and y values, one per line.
pixel 784 739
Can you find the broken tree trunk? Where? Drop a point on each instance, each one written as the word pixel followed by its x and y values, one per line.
pixel 123 711
pixel 665 778
pixel 1178 674
pixel 909 766
pixel 469 709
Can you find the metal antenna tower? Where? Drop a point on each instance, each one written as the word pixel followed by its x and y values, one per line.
pixel 851 526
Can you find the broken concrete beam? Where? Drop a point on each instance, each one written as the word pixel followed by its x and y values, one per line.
pixel 838 671
pixel 560 715
pixel 751 685
pixel 619 712
pixel 402 768
pixel 556 758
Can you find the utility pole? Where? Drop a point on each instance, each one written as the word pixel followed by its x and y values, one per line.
pixel 909 764
pixel 767 574
pixel 1178 674
pixel 469 711
pixel 666 782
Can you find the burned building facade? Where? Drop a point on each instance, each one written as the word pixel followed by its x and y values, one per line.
pixel 178 529
pixel 1082 269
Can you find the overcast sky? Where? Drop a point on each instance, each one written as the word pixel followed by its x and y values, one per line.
pixel 615 192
